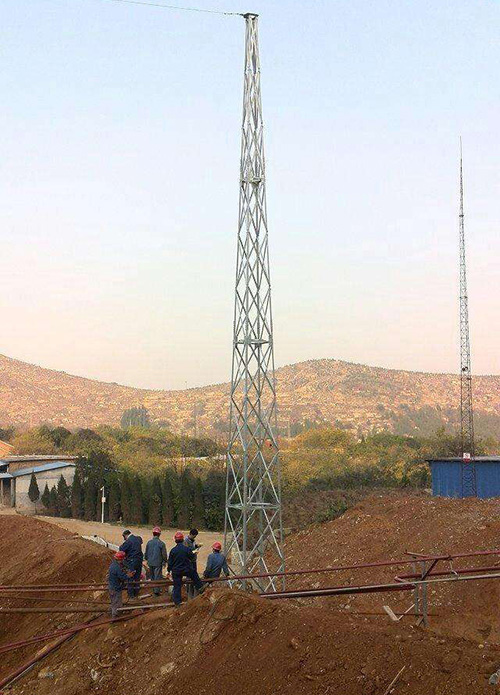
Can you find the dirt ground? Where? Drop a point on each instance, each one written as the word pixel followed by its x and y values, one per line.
pixel 113 533
pixel 227 642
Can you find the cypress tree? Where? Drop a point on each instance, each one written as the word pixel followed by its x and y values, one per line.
pixel 185 508
pixel 114 508
pixel 214 496
pixel 126 498
pixel 168 501
pixel 46 497
pixel 53 506
pixel 155 502
pixel 90 500
pixel 63 498
pixel 136 505
pixel 33 491
pixel 77 496
pixel 198 505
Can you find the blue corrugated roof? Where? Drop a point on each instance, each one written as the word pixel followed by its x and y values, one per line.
pixel 54 465
pixel 457 459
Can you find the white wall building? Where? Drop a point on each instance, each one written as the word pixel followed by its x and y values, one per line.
pixel 15 477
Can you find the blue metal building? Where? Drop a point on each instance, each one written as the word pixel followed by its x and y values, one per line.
pixel 447 476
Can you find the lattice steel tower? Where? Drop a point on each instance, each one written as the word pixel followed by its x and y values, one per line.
pixel 466 411
pixel 253 529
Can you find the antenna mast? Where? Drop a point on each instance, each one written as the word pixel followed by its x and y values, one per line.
pixel 466 412
pixel 253 524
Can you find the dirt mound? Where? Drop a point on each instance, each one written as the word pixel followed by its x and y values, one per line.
pixel 227 642
pixel 34 552
pixel 387 526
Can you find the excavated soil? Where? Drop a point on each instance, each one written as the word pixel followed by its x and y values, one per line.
pixel 230 642
pixel 386 527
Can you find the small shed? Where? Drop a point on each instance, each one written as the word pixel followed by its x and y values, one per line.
pixel 447 479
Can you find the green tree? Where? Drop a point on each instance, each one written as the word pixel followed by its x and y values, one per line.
pixel 185 506
pixel 33 491
pixel 53 505
pixel 168 501
pixel 214 494
pixel 198 505
pixel 58 435
pixel 90 499
pixel 135 417
pixel 77 496
pixel 136 505
pixel 155 502
pixel 46 497
pixel 114 506
pixel 63 498
pixel 126 497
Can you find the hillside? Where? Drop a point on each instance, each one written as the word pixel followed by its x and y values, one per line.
pixel 351 395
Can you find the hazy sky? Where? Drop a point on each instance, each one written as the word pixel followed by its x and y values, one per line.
pixel 119 157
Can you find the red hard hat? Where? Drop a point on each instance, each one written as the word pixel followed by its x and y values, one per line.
pixel 179 536
pixel 217 546
pixel 157 530
pixel 120 555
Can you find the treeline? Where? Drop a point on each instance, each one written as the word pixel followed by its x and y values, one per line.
pixel 141 448
pixel 180 499
pixel 327 458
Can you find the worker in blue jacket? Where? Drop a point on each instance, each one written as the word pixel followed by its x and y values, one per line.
pixel 118 577
pixel 156 557
pixel 216 563
pixel 180 564
pixel 132 547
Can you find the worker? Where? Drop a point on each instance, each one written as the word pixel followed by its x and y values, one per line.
pixel 216 563
pixel 190 542
pixel 156 557
pixel 180 564
pixel 118 577
pixel 132 547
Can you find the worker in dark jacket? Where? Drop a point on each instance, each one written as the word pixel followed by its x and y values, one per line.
pixel 118 577
pixel 216 563
pixel 156 557
pixel 190 542
pixel 132 547
pixel 180 564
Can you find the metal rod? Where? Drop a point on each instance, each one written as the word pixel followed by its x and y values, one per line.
pixel 290 573
pixel 67 631
pixel 371 588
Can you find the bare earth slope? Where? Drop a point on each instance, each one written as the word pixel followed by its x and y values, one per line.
pixel 360 397
pixel 227 642
pixel 386 527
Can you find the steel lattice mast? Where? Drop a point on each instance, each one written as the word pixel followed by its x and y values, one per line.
pixel 466 411
pixel 253 525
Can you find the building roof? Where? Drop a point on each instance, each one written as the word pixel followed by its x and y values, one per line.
pixel 3 476
pixel 35 457
pixel 41 469
pixel 457 459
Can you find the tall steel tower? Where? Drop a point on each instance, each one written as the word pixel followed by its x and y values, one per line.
pixel 253 527
pixel 466 412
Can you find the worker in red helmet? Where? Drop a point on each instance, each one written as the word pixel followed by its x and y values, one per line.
pixel 216 563
pixel 180 565
pixel 118 577
pixel 156 557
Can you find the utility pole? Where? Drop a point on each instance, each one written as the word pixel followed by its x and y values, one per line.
pixel 253 524
pixel 103 500
pixel 466 411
